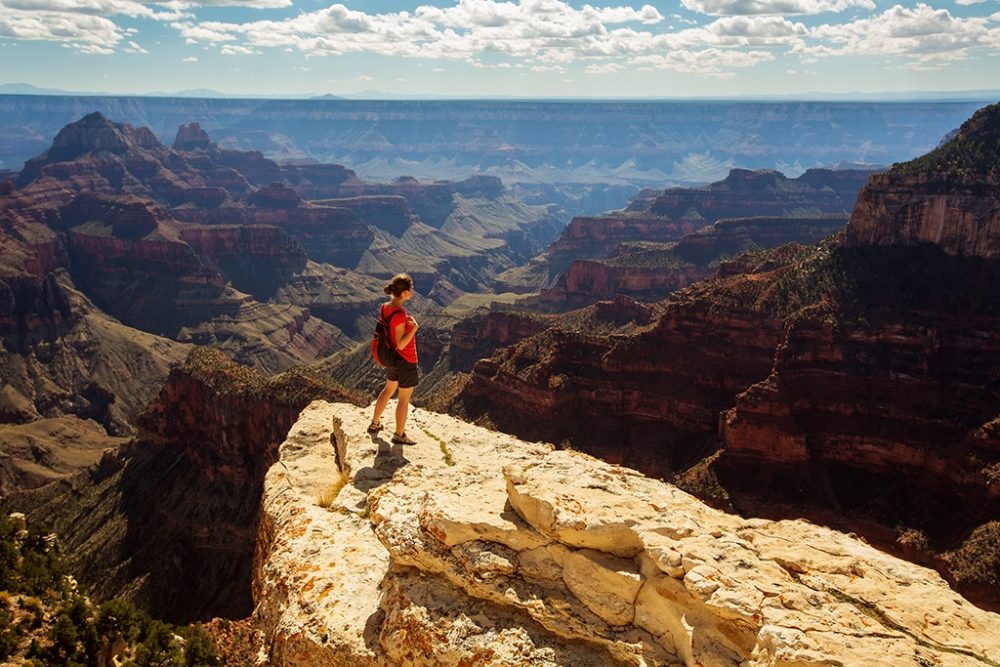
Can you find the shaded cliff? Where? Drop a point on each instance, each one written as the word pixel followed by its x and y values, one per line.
pixel 649 270
pixel 169 521
pixel 594 256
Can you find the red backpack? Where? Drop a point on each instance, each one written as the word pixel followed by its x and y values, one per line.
pixel 383 351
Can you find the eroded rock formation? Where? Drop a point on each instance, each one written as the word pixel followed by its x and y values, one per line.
pixel 486 549
pixel 855 379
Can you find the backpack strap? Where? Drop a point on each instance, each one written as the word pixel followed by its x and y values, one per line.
pixel 388 321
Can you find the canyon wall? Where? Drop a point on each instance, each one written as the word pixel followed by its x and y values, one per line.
pixel 170 520
pixel 852 381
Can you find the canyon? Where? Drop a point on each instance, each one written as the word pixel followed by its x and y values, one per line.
pixel 587 156
pixel 169 518
pixel 821 348
pixel 841 381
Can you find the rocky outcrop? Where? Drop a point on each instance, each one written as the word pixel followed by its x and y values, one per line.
pixel 948 197
pixel 432 201
pixel 731 236
pixel 130 218
pixel 42 450
pixel 641 271
pixel 275 195
pixel 960 216
pixel 709 223
pixel 480 185
pixel 488 549
pixel 649 271
pixel 229 418
pixel 389 213
pixel 596 237
pixel 629 392
pixel 317 181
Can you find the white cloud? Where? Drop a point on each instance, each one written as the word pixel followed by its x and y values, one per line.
pixel 605 68
pixel 744 31
pixel 190 59
pixel 133 47
pixel 547 68
pixel 706 62
pixel 777 7
pixel 237 50
pixel 928 36
pixel 550 30
pixel 199 33
pixel 969 2
pixel 85 32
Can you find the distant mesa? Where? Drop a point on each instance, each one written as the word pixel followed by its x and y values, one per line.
pixel 94 132
pixel 190 137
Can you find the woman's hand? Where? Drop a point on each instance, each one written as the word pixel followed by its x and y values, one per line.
pixel 412 323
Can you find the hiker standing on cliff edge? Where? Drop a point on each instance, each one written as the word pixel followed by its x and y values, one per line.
pixel 402 373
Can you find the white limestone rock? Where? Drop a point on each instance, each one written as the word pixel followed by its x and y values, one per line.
pixel 473 547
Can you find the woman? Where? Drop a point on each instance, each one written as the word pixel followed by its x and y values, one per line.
pixel 402 374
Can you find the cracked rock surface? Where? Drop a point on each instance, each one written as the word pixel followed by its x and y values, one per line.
pixel 473 547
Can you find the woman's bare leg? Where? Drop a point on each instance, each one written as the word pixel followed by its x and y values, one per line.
pixel 402 409
pixel 383 400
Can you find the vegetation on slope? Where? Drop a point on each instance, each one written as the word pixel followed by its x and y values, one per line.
pixel 296 385
pixel 974 152
pixel 45 620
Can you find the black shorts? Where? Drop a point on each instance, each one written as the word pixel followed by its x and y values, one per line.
pixel 404 372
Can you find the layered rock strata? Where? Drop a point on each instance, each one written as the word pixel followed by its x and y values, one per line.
pixel 473 547
pixel 764 192
pixel 860 372
pixel 649 270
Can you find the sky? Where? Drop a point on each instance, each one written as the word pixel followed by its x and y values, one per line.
pixel 494 48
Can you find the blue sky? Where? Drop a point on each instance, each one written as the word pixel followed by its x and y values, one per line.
pixel 532 48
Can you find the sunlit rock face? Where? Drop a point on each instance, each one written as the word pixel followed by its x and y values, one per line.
pixel 949 198
pixel 473 547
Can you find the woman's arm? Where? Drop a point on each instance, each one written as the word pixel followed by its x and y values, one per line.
pixel 401 335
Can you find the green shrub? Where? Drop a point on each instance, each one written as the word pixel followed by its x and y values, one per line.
pixel 31 565
pixel 9 638
pixel 199 648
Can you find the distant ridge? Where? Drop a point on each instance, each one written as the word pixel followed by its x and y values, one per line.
pixel 985 95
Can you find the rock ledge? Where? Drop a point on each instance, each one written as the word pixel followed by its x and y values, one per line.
pixel 473 547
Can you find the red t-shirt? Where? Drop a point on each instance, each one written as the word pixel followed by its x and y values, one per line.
pixel 409 352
